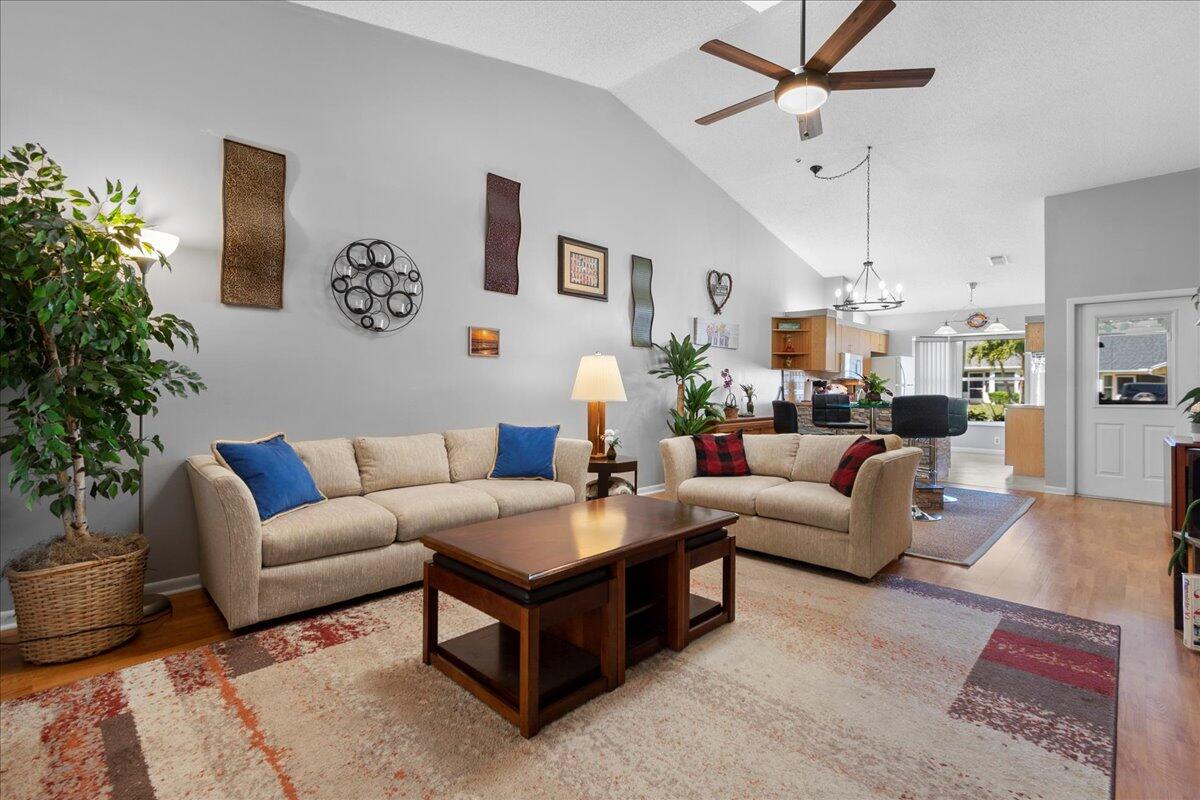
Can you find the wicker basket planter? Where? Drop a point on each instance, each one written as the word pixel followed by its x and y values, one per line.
pixel 78 610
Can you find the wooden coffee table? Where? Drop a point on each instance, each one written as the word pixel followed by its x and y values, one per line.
pixel 580 593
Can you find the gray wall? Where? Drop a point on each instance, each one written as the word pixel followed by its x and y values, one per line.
pixel 902 328
pixel 1138 236
pixel 390 136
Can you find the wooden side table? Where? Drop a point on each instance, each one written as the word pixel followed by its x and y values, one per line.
pixel 606 467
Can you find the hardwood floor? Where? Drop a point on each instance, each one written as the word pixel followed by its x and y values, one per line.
pixel 1099 559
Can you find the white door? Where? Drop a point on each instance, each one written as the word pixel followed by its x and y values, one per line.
pixel 1134 360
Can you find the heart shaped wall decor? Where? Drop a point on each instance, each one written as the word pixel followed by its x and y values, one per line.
pixel 720 286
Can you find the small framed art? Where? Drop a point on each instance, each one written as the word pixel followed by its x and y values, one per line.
pixel 582 269
pixel 483 342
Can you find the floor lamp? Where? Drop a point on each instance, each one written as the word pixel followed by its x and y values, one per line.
pixel 163 245
pixel 598 381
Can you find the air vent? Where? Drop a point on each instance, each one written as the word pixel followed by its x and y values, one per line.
pixel 998 261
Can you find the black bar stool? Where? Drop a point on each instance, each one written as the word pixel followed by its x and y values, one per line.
pixel 832 410
pixel 786 420
pixel 929 416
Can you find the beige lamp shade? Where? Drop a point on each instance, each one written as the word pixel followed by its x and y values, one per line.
pixel 598 380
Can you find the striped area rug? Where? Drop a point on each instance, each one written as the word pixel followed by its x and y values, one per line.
pixel 822 687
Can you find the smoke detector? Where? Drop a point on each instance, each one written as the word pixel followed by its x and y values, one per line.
pixel 998 261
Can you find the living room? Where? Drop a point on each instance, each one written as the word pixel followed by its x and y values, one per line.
pixel 458 254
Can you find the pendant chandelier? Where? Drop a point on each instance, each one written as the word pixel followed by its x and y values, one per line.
pixel 868 292
pixel 974 317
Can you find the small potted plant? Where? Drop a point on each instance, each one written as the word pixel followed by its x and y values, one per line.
pixel 1191 404
pixel 77 366
pixel 748 390
pixel 612 438
pixel 875 387
pixel 731 405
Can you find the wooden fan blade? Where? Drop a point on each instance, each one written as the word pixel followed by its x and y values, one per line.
pixel 880 79
pixel 860 22
pixel 736 108
pixel 736 55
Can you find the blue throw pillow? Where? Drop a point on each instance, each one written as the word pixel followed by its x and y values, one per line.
pixel 524 452
pixel 277 478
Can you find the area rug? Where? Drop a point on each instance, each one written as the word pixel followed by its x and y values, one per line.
pixel 823 687
pixel 969 527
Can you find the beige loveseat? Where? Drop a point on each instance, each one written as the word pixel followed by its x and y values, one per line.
pixel 383 494
pixel 788 508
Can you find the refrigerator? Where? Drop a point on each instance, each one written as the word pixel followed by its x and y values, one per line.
pixel 899 371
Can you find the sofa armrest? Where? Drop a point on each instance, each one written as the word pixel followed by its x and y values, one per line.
pixel 880 509
pixel 679 463
pixel 230 538
pixel 571 458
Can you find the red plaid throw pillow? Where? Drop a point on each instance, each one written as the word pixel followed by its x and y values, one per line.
pixel 720 456
pixel 852 460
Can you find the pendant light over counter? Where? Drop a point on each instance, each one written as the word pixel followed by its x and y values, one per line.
pixel 974 317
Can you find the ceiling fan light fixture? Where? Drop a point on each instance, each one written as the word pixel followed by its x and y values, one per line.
pixel 802 93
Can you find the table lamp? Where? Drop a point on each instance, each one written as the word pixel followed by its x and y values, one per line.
pixel 598 381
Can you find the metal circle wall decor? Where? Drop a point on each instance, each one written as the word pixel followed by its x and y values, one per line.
pixel 376 285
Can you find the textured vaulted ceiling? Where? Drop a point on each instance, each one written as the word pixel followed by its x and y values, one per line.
pixel 1030 99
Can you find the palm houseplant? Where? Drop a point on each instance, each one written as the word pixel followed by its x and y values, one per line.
pixel 699 412
pixel 76 330
pixel 1191 409
pixel 682 360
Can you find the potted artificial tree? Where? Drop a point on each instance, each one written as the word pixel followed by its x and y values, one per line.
pixel 75 367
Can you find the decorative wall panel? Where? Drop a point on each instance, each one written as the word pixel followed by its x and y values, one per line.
pixel 641 277
pixel 503 235
pixel 252 206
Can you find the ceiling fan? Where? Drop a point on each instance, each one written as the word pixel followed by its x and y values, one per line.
pixel 804 91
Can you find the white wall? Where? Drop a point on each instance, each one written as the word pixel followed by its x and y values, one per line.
pixel 1137 236
pixel 389 136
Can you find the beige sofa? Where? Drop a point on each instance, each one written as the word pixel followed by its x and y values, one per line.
pixel 383 494
pixel 789 509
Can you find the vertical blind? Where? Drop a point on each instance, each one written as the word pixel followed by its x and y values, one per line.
pixel 939 367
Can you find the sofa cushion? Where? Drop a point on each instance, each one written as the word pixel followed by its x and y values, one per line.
pixel 339 525
pixel 720 456
pixel 277 478
pixel 772 454
pixel 471 453
pixel 397 461
pixel 525 453
pixel 815 504
pixel 728 494
pixel 332 465
pixel 521 497
pixel 856 455
pixel 419 510
pixel 818 454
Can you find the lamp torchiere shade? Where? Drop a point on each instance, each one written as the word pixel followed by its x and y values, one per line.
pixel 598 381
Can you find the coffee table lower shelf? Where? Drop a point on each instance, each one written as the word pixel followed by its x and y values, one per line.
pixel 491 657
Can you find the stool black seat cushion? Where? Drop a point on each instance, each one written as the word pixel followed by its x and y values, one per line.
pixel 832 410
pixel 786 420
pixel 928 416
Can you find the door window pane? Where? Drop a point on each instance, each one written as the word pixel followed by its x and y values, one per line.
pixel 1132 356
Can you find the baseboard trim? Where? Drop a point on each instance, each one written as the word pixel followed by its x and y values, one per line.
pixel 1047 489
pixel 184 583
pixel 985 450
pixel 655 489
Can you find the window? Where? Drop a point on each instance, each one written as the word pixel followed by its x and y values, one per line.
pixel 1132 355
pixel 993 376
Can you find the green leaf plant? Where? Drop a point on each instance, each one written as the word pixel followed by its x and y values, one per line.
pixel 76 329
pixel 1178 560
pixel 699 411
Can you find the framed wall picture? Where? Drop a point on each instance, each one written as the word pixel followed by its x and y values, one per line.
pixel 717 332
pixel 483 342
pixel 582 269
